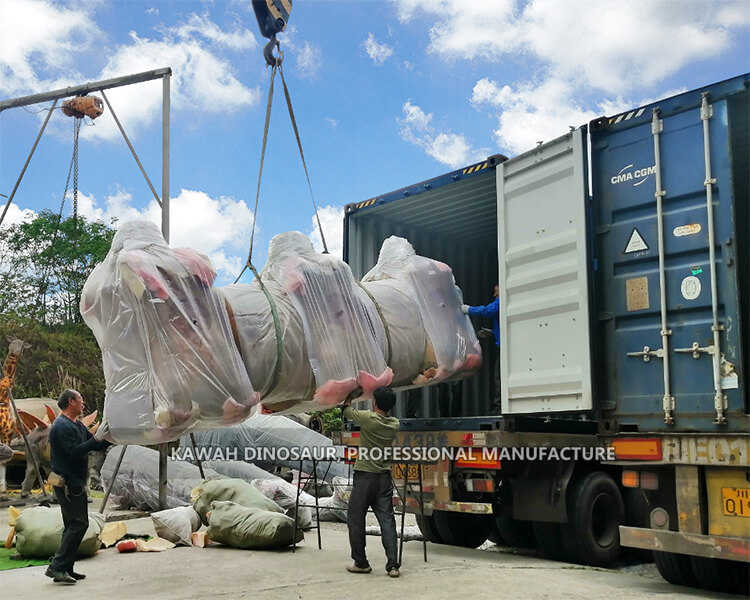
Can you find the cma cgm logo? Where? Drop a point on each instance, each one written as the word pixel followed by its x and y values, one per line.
pixel 638 176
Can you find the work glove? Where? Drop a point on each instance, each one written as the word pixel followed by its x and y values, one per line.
pixel 465 309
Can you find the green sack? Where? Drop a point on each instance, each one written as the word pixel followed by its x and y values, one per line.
pixel 250 528
pixel 238 491
pixel 39 532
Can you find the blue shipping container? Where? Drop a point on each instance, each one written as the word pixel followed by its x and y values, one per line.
pixel 650 377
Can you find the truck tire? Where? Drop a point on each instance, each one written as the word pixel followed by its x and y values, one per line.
pixel 675 568
pixel 462 529
pixel 429 531
pixel 721 575
pixel 512 533
pixel 549 541
pixel 595 512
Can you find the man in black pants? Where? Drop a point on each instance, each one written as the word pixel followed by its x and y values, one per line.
pixel 372 482
pixel 70 442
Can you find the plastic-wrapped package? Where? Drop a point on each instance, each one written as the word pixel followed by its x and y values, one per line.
pixel 284 494
pixel 234 490
pixel 39 532
pixel 169 357
pixel 345 338
pixel 250 527
pixel 137 482
pixel 177 524
pixel 272 432
pixel 336 506
pixel 452 343
pixel 279 369
pixel 237 469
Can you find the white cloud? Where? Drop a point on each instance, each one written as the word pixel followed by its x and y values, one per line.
pixel 332 122
pixel 15 213
pixel 379 53
pixel 608 44
pixel 309 60
pixel 38 41
pixel 219 227
pixel 332 222
pixel 152 11
pixel 532 113
pixel 240 39
pixel 448 148
pixel 200 80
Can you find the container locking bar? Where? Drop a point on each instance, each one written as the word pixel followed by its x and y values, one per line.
pixel 647 353
pixel 720 399
pixel 668 401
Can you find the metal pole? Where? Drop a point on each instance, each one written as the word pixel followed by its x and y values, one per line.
pixel 195 453
pixel 132 150
pixel 112 483
pixel 28 160
pixel 315 488
pixel 28 446
pixel 85 88
pixel 163 477
pixel 165 157
pixel 421 509
pixel 403 514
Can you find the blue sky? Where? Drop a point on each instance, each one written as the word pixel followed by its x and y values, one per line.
pixel 386 93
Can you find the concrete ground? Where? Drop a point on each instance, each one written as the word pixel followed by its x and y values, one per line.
pixel 220 572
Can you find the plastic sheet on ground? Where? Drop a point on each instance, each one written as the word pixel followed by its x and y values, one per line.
pixel 452 344
pixel 169 357
pixel 39 532
pixel 268 433
pixel 137 482
pixel 345 338
pixel 250 527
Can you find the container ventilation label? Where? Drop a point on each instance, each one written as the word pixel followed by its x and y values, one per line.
pixel 636 293
pixel 636 243
pixel 690 287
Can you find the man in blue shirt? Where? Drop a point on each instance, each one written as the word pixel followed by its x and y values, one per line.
pixel 491 311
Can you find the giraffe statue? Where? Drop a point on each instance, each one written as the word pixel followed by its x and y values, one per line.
pixel 8 424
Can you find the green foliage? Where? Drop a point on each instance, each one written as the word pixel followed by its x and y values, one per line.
pixel 44 264
pixel 332 420
pixel 71 348
pixel 43 268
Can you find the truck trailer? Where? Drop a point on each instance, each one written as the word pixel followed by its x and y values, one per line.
pixel 621 253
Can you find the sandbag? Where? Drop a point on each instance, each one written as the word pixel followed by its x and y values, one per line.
pixel 284 494
pixel 233 490
pixel 250 527
pixel 39 532
pixel 177 524
pixel 335 507
pixel 345 338
pixel 137 482
pixel 169 358
pixel 452 343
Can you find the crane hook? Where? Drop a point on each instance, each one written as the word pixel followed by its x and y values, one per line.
pixel 271 60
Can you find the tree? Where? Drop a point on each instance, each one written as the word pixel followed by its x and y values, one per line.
pixel 44 264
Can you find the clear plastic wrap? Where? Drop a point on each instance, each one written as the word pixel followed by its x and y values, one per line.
pixel 284 494
pixel 346 341
pixel 452 343
pixel 137 482
pixel 170 361
pixel 261 432
pixel 237 469
pixel 280 372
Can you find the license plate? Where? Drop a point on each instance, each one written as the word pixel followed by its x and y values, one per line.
pixel 413 472
pixel 735 502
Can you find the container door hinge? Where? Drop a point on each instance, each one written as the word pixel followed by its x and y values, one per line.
pixel 668 404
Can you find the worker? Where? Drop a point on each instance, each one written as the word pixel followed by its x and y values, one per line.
pixel 491 311
pixel 70 442
pixel 373 486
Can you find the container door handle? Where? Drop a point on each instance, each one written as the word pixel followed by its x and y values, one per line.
pixel 696 350
pixel 647 353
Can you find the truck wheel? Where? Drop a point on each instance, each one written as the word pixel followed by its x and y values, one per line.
pixel 675 568
pixel 462 529
pixel 549 540
pixel 595 512
pixel 429 531
pixel 721 575
pixel 516 534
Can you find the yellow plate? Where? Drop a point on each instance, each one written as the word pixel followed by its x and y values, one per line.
pixel 735 502
pixel 398 473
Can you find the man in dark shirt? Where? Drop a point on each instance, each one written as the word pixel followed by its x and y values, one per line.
pixel 70 442
pixel 372 482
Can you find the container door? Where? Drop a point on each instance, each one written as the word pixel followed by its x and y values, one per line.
pixel 542 251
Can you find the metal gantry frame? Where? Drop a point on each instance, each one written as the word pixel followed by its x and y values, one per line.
pixel 165 74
